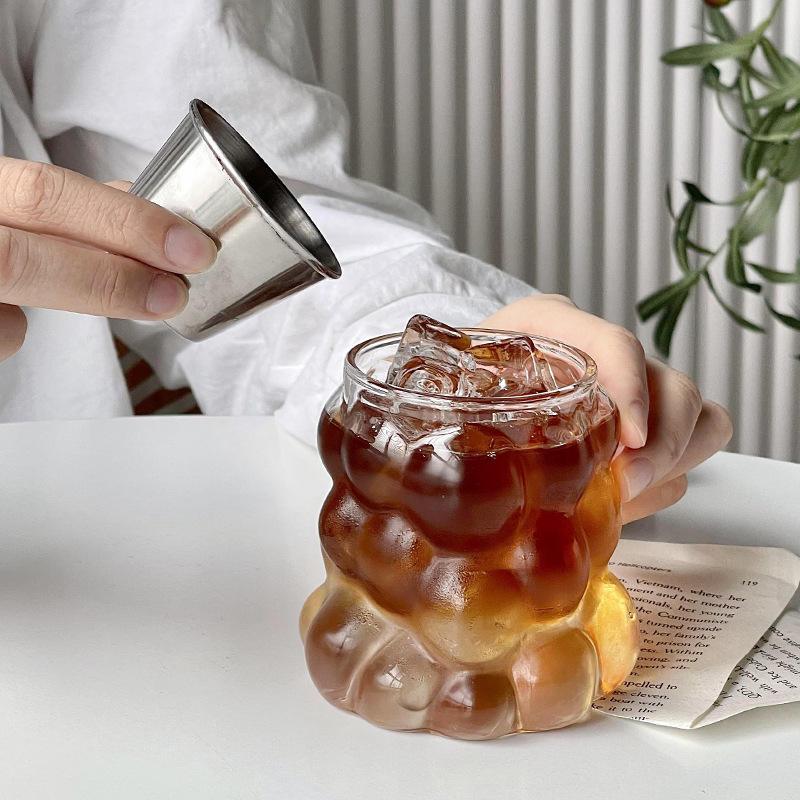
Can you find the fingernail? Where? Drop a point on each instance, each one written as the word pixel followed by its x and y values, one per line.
pixel 638 417
pixel 189 249
pixel 638 476
pixel 166 295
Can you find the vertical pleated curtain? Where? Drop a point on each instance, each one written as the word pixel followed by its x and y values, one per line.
pixel 541 134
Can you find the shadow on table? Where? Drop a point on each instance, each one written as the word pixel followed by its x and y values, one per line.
pixel 748 726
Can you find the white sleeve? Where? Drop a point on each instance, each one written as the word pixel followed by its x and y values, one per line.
pixel 292 355
pixel 125 80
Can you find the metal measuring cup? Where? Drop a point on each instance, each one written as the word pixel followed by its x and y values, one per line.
pixel 268 246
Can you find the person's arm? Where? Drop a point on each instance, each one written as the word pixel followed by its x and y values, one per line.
pixel 127 84
pixel 106 104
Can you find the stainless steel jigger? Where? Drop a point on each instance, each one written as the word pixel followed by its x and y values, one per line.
pixel 268 246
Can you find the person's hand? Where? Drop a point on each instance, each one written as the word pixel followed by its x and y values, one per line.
pixel 70 243
pixel 666 426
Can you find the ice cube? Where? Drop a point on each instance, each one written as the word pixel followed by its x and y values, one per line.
pixel 424 330
pixel 434 358
pixel 429 374
pixel 516 365
pixel 428 358
pixel 398 435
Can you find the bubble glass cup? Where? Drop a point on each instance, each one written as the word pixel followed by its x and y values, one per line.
pixel 466 544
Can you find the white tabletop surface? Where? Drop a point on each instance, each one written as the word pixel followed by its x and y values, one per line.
pixel 151 575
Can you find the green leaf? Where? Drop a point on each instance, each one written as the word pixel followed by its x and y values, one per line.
pixel 681 234
pixel 667 322
pixel 696 248
pixel 696 193
pixel 746 97
pixel 784 124
pixel 730 311
pixel 773 138
pixel 774 275
pixel 734 263
pixel 710 74
pixel 761 77
pixel 783 68
pixel 699 196
pixel 787 121
pixel 754 37
pixel 655 302
pixel 748 194
pixel 772 157
pixel 753 153
pixel 790 90
pixel 720 25
pixel 696 54
pixel 788 167
pixel 786 319
pixel 668 198
pixel 791 64
pixel 758 219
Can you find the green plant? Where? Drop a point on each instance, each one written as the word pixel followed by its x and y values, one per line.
pixel 761 102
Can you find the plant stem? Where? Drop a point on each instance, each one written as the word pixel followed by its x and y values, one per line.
pixel 759 76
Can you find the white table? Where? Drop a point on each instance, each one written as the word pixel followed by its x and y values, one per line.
pixel 151 574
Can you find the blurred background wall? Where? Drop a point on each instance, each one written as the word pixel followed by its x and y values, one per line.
pixel 541 134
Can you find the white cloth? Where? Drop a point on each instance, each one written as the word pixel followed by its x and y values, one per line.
pixel 97 86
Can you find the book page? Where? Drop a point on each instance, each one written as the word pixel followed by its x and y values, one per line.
pixel 768 675
pixel 701 608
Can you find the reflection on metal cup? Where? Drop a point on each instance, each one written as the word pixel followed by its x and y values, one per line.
pixel 268 246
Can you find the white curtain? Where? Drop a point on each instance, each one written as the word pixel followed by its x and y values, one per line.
pixel 542 133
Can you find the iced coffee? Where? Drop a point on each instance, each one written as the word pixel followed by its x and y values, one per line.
pixel 467 535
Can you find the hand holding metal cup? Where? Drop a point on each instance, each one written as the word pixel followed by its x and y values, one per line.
pixel 269 247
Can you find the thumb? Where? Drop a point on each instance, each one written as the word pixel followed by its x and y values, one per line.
pixel 123 186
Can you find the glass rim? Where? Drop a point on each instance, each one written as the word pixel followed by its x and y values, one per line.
pixel 268 194
pixel 514 402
